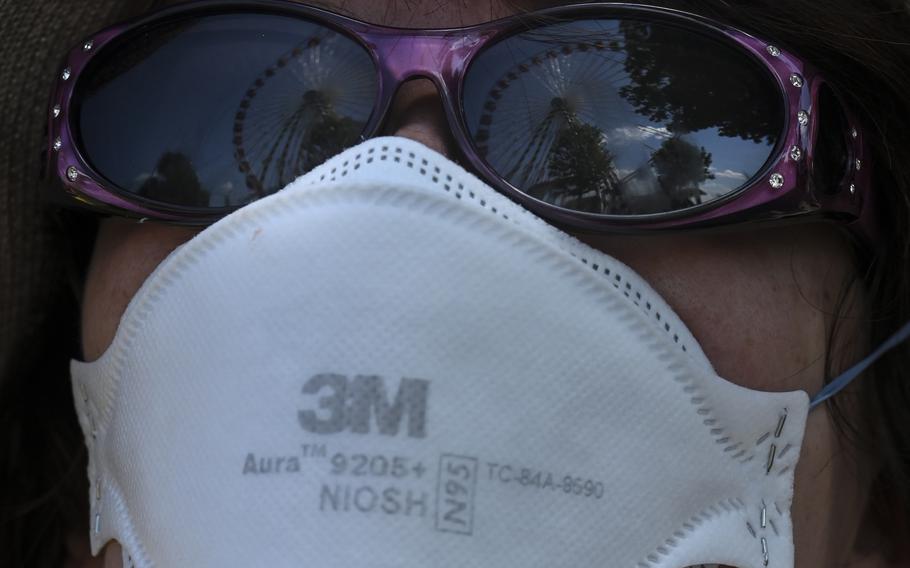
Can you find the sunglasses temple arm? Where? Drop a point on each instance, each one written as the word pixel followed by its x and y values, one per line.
pixel 847 377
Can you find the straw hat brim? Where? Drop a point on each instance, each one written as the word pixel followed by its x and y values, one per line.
pixel 34 37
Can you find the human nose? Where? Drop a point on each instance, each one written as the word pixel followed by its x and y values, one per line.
pixel 417 113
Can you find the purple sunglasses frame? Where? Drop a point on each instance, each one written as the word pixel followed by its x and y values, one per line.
pixel 780 191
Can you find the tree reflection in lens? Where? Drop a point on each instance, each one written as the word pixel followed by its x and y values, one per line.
pixel 249 101
pixel 581 167
pixel 670 84
pixel 621 117
pixel 300 111
pixel 174 181
pixel 681 169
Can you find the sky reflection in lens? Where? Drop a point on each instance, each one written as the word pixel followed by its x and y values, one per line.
pixel 221 110
pixel 620 116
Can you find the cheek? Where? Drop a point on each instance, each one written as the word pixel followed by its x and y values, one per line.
pixel 759 303
pixel 125 254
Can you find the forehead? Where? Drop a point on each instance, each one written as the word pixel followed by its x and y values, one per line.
pixel 431 13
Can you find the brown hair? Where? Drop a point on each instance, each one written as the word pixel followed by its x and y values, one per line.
pixel 860 45
pixel 864 50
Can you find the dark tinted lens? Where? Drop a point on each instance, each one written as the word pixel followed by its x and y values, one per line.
pixel 219 110
pixel 622 117
pixel 830 162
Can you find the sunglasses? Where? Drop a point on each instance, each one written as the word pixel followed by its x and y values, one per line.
pixel 599 117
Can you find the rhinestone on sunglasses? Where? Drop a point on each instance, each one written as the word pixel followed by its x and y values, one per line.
pixel 58 143
pixel 852 189
pixel 517 163
pixel 859 164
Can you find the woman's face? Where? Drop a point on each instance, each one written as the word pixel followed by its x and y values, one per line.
pixel 761 302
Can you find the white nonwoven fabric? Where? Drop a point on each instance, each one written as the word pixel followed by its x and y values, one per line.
pixel 388 364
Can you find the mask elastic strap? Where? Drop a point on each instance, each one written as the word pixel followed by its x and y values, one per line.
pixel 847 377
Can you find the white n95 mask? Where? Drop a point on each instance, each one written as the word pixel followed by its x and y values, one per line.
pixel 390 365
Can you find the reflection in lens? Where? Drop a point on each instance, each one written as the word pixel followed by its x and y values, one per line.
pixel 299 113
pixel 219 110
pixel 621 117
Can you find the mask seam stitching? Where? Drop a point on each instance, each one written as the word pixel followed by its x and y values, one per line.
pixel 343 169
pixel 729 505
pixel 189 256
